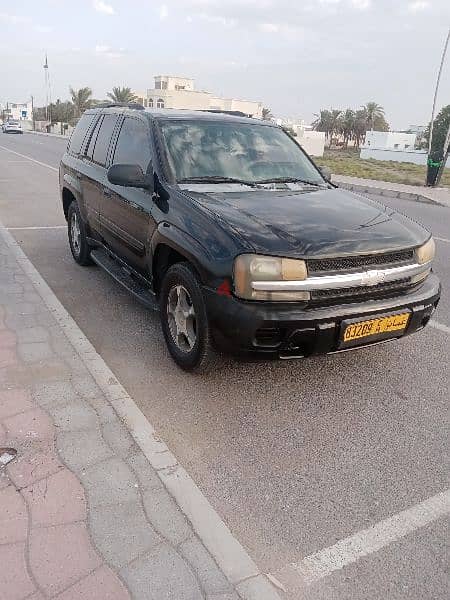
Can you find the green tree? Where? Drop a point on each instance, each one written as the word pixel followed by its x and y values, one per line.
pixel 61 111
pixel 123 94
pixel 82 100
pixel 346 125
pixel 440 128
pixel 266 114
pixel 323 122
pixel 360 127
pixel 374 116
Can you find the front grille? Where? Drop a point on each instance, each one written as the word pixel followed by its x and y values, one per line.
pixel 355 294
pixel 349 263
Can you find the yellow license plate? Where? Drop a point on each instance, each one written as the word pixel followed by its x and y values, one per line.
pixel 393 323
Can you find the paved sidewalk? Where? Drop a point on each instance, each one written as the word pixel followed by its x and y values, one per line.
pixel 83 513
pixel 394 190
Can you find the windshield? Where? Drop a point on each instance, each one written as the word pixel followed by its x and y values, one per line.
pixel 223 150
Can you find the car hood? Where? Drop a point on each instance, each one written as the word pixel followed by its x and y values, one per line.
pixel 323 222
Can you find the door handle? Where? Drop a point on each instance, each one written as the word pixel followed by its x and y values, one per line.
pixel 107 192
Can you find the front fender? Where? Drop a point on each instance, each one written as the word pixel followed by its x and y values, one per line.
pixel 209 269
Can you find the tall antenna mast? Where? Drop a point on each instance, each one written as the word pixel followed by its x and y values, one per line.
pixel 48 92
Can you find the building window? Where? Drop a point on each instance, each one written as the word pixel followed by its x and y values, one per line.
pixel 150 102
pixel 160 103
pixel 395 145
pixel 157 85
pixel 407 146
pixel 145 102
pixel 164 85
pixel 180 87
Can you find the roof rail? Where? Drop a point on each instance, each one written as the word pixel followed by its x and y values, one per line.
pixel 135 105
pixel 233 113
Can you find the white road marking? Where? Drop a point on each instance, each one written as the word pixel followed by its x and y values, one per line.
pixel 38 162
pixel 36 228
pixel 365 542
pixel 441 239
pixel 439 326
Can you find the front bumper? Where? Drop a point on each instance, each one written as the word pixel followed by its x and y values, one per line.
pixel 288 331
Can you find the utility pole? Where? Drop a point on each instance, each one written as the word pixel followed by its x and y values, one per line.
pixel 444 52
pixel 32 113
pixel 48 92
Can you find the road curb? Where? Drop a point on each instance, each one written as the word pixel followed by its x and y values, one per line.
pixel 56 135
pixel 389 193
pixel 226 550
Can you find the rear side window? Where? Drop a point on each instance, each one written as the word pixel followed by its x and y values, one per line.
pixel 89 152
pixel 103 139
pixel 133 144
pixel 79 132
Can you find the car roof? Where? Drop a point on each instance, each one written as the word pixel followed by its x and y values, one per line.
pixel 181 114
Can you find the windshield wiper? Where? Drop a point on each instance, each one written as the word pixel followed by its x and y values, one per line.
pixel 217 179
pixel 289 180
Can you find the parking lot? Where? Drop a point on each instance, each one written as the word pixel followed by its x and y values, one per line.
pixel 294 456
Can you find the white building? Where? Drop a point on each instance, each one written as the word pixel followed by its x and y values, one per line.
pixel 180 93
pixel 390 140
pixel 393 145
pixel 15 111
pixel 313 142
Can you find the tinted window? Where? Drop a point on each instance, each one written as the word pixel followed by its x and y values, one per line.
pixel 133 145
pixel 79 132
pixel 103 138
pixel 89 152
pixel 229 149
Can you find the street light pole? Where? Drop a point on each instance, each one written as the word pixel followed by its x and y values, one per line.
pixel 436 90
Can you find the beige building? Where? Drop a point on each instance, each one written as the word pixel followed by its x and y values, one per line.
pixel 180 93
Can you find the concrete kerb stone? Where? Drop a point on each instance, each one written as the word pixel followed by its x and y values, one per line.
pixel 227 552
pixel 389 193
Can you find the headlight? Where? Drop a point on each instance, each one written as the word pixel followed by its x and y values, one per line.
pixel 426 253
pixel 249 268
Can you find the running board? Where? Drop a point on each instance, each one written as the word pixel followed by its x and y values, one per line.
pixel 124 277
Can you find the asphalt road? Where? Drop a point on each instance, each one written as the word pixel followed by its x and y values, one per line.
pixel 293 455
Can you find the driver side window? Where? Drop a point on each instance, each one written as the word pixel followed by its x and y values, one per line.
pixel 133 144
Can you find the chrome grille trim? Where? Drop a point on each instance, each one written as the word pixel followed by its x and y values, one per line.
pixel 365 278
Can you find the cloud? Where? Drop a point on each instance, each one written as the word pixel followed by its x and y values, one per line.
pixel 13 19
pixel 101 48
pixel 269 27
pixel 418 6
pixel 103 7
pixel 163 12
pixel 108 52
pixel 362 4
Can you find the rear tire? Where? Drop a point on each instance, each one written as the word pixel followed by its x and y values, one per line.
pixel 79 246
pixel 184 319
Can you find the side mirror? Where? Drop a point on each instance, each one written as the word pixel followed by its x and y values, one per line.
pixel 326 172
pixel 128 176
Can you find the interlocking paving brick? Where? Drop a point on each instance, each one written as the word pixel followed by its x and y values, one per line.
pixel 13 517
pixel 15 582
pixel 34 424
pixel 32 335
pixel 55 393
pixel 34 352
pixel 161 574
pixel 7 339
pixel 227 596
pixel 147 477
pixel 121 532
pixel 257 588
pixel 14 401
pixel 110 481
pixel 102 581
pixel 87 387
pixel 104 410
pixel 118 438
pixel 61 555
pixel 211 578
pixel 8 357
pixel 81 449
pixel 26 469
pixel 56 500
pixel 165 516
pixel 75 416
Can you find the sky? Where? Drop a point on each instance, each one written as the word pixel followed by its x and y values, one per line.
pixel 294 56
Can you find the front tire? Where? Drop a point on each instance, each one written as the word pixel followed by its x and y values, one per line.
pixel 79 246
pixel 184 319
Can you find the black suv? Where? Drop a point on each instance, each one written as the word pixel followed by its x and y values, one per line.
pixel 228 226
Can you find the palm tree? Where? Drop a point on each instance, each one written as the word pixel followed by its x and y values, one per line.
pixel 360 126
pixel 267 114
pixel 123 94
pixel 334 123
pixel 82 100
pixel 374 113
pixel 346 125
pixel 323 122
